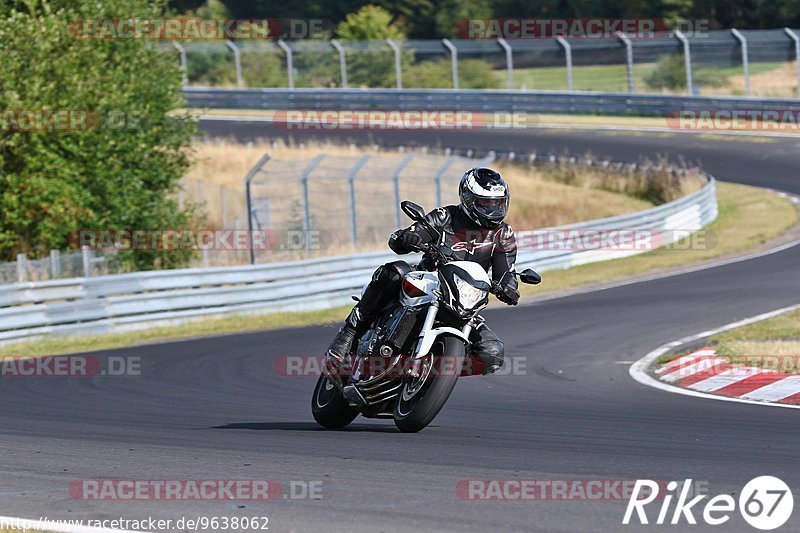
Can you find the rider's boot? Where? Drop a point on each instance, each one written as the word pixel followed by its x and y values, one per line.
pixel 377 294
pixel 342 343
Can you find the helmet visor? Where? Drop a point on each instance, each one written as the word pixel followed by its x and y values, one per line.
pixel 491 208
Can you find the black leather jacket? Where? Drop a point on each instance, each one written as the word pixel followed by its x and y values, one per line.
pixel 494 249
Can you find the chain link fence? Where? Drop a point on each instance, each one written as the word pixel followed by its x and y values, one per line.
pixel 339 204
pixel 58 265
pixel 720 62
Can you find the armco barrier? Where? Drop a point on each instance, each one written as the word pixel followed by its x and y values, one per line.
pixel 131 301
pixel 478 101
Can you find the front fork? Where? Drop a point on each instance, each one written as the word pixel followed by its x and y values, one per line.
pixel 427 326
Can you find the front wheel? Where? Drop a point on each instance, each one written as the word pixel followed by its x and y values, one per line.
pixel 422 398
pixel 329 407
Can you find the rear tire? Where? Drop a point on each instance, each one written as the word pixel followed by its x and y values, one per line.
pixel 415 410
pixel 329 407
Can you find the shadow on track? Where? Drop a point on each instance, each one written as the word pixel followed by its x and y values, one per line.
pixel 305 426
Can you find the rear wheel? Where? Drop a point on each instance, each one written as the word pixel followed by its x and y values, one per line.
pixel 329 407
pixel 422 398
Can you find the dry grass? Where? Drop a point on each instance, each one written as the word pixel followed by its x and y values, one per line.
pixel 777 83
pixel 541 197
pixel 658 184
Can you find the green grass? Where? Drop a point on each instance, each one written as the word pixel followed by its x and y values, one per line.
pixel 786 327
pixel 613 78
pixel 772 344
pixel 748 217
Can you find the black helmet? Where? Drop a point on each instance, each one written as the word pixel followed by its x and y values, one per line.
pixel 484 196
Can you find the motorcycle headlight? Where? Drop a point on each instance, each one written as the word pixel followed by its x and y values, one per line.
pixel 468 295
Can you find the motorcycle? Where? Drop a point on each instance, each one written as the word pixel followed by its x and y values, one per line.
pixel 407 362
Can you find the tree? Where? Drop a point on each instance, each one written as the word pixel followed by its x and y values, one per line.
pixel 369 23
pixel 119 168
pixel 373 66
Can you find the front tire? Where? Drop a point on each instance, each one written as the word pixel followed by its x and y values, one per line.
pixel 329 407
pixel 417 406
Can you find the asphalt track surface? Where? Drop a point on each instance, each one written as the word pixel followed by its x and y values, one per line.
pixel 214 408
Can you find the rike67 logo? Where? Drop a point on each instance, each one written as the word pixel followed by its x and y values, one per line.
pixel 765 503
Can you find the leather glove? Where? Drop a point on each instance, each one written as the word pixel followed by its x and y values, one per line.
pixel 507 294
pixel 409 240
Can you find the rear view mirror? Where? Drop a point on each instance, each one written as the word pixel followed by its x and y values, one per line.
pixel 412 210
pixel 530 277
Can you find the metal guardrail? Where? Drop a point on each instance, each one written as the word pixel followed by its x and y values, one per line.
pixel 548 102
pixel 131 301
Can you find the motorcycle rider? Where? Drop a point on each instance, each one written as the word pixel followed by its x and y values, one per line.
pixel 475 231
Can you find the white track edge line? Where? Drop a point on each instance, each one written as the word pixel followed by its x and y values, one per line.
pixel 638 371
pixel 52 524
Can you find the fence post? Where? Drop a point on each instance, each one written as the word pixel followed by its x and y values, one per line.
pixel 86 256
pixel 745 59
pixel 396 179
pixel 687 58
pixel 342 61
pixel 55 264
pixel 568 54
pixel 21 268
pixel 249 205
pixel 509 61
pixel 628 58
pixel 223 205
pixel 306 206
pixel 237 57
pixel 398 69
pixel 182 51
pixel 201 191
pixel 289 62
pixel 453 60
pixel 351 184
pixel 794 37
pixel 437 178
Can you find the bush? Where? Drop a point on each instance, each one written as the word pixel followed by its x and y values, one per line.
pixel 260 68
pixel 110 176
pixel 472 74
pixel 655 183
pixel 670 74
